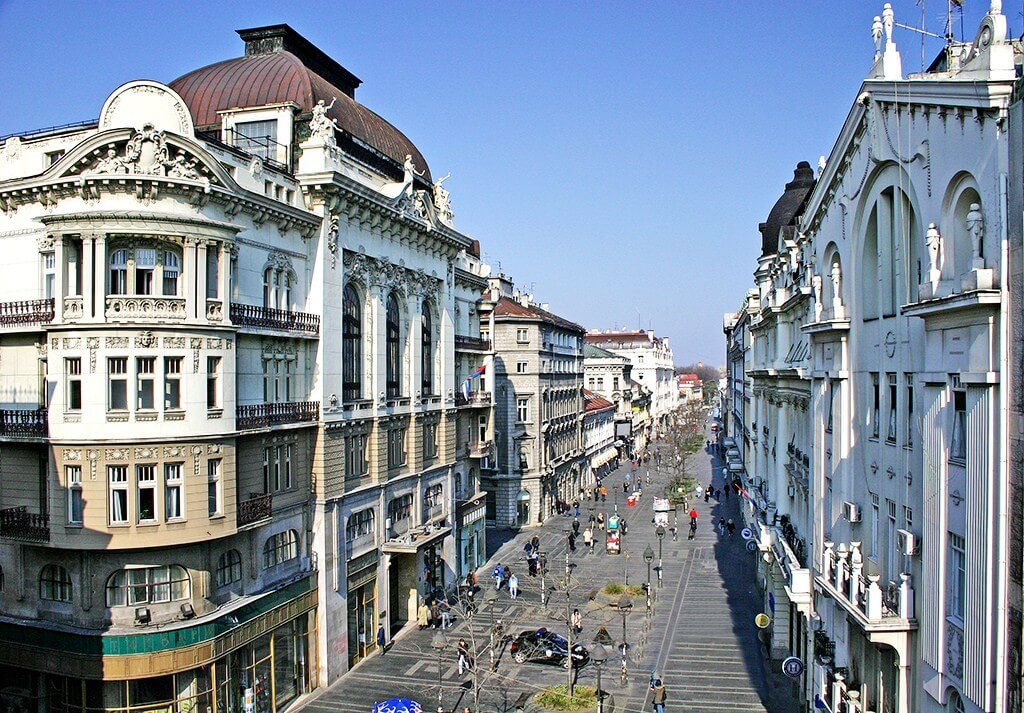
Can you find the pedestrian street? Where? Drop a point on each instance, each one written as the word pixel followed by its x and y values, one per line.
pixel 700 637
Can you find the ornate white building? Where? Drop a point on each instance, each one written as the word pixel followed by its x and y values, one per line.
pixel 652 362
pixel 902 276
pixel 229 452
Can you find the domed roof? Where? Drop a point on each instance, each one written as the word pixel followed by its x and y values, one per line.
pixel 281 66
pixel 787 208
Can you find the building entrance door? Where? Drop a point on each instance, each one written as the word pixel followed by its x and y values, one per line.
pixel 523 509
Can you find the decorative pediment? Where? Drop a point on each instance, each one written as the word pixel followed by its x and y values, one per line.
pixel 146 153
pixel 390 276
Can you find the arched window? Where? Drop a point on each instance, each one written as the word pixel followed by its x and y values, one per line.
pixel 869 264
pixel 280 548
pixel 393 351
pixel 351 341
pixel 229 568
pixel 277 287
pixel 269 292
pixel 55 584
pixel 119 272
pixel 955 703
pixel 148 585
pixel 427 350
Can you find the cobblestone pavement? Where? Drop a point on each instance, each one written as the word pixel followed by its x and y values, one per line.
pixel 700 637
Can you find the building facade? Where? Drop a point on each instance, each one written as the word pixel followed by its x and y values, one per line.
pixel 653 366
pixel 599 439
pixel 611 377
pixel 229 384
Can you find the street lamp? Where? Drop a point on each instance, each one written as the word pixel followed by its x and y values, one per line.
pixel 599 655
pixel 648 558
pixel 660 532
pixel 438 643
pixel 490 597
pixel 624 605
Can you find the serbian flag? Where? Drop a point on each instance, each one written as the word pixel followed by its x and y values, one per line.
pixel 467 384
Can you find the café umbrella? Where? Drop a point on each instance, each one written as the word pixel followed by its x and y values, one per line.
pixel 397 705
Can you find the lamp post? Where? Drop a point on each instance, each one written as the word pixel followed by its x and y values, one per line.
pixel 624 605
pixel 543 562
pixel 648 558
pixel 660 532
pixel 599 655
pixel 438 643
pixel 489 599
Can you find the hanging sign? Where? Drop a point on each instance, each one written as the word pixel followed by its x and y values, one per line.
pixel 751 546
pixel 762 620
pixel 747 533
pixel 793 667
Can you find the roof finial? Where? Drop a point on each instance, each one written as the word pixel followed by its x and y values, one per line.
pixel 876 35
pixel 888 20
pixel 996 7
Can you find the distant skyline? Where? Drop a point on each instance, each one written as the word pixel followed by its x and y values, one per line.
pixel 614 159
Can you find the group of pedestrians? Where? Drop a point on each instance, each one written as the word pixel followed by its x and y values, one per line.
pixel 436 615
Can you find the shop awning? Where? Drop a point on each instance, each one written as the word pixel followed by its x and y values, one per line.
pixel 603 458
pixel 411 542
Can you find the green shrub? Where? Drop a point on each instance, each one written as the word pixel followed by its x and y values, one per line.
pixel 556 698
pixel 614 589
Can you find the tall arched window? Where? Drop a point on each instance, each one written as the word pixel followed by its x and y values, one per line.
pixel 119 272
pixel 351 339
pixel 427 350
pixel 229 568
pixel 280 548
pixel 148 585
pixel 394 351
pixel 54 584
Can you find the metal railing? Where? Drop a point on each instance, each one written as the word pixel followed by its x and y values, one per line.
pixel 21 422
pixel 262 146
pixel 269 318
pixel 51 130
pixel 476 398
pixel 477 344
pixel 258 507
pixel 263 415
pixel 27 312
pixel 20 524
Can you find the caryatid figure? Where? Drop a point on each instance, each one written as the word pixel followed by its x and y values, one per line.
pixel 976 229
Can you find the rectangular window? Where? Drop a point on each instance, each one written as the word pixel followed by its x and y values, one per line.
pixel 213 382
pixel 213 271
pixel 172 491
pixel 171 273
pixel 482 428
pixel 117 380
pixel 523 409
pixel 258 138
pixel 958 440
pixel 890 434
pixel 268 482
pixel 145 376
pixel 894 555
pixel 52 157
pixel 73 474
pixel 615 383
pixel 117 476
pixel 521 367
pixel 874 526
pixel 355 455
pixel 287 462
pixel 275 468
pixel 214 495
pixel 429 440
pixel 876 405
pixel 145 267
pixel 591 383
pixel 73 374
pixel 909 408
pixel 830 405
pixel 172 383
pixel 396 447
pixel 146 477
pixel 908 518
pixel 957 576
pixel 523 336
pixel 49 275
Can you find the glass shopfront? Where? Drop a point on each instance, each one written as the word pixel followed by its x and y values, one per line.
pixel 264 676
pixel 362 606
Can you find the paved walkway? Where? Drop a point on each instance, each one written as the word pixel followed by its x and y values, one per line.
pixel 700 637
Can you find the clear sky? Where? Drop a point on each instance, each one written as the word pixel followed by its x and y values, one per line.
pixel 615 157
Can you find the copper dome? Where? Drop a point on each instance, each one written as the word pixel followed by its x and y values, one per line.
pixel 282 66
pixel 787 208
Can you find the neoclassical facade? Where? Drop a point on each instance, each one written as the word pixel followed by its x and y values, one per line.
pixel 902 278
pixel 228 338
pixel 652 366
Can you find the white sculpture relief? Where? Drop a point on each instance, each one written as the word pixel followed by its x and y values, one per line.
pixel 888 20
pixel 333 228
pixel 976 229
pixel 837 286
pixel 12 148
pixel 147 150
pixel 256 167
pixel 442 201
pixel 933 241
pixel 147 153
pixel 876 36
pixel 111 163
pixel 182 167
pixel 321 126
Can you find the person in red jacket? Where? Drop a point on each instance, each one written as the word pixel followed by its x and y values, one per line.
pixel 693 516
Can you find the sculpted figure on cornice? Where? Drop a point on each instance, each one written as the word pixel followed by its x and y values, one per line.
pixel 321 126
pixel 442 202
pixel 146 153
pixel 976 229
pixel 279 261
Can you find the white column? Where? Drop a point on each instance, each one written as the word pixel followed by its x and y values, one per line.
pixel 933 561
pixel 59 287
pixel 200 292
pixel 980 620
pixel 189 274
pixel 99 277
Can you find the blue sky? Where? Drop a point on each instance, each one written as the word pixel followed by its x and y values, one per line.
pixel 617 157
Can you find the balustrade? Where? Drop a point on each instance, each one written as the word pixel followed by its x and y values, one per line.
pixel 476 344
pixel 243 315
pixel 21 422
pixel 20 524
pixel 258 507
pixel 26 312
pixel 263 415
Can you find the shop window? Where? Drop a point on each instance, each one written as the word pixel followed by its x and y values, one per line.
pixel 148 585
pixel 280 548
pixel 229 568
pixel 54 584
pixel 352 334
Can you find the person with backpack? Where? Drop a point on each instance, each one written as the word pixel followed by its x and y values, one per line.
pixel 658 695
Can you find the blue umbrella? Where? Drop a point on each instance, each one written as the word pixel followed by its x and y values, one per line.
pixel 397 705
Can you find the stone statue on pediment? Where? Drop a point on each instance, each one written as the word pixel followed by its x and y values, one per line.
pixel 111 163
pixel 321 126
pixel 976 229
pixel 442 201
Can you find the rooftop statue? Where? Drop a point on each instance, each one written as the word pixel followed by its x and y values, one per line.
pixel 322 126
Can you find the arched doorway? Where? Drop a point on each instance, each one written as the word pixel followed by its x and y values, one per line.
pixel 523 509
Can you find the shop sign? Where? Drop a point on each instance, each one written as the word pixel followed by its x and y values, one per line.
pixel 793 667
pixel 762 620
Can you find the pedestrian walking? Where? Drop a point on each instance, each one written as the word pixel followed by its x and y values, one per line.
pixel 721 526
pixel 446 614
pixel 435 615
pixel 600 521
pixel 727 489
pixel 382 639
pixel 535 543
pixel 506 574
pixel 576 527
pixel 718 493
pixel 465 660
pixel 625 487
pixel 693 516
pixel 496 573
pixel 572 542
pixel 731 526
pixel 423 616
pixel 588 539
pixel 513 586
pixel 575 508
pixel 658 695
pixel 577 622
pixel 707 494
pixel 591 521
pixel 693 529
pixel 604 494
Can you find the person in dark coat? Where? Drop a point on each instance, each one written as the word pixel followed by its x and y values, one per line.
pixel 572 542
pixel 382 639
pixel 730 526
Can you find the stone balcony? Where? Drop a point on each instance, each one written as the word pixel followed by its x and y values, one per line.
pixel 129 308
pixel 253 416
pixel 877 608
pixel 259 317
pixel 476 398
pixel 465 343
pixel 26 312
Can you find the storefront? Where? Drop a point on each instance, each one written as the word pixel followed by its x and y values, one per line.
pixel 267 669
pixel 472 545
pixel 523 509
pixel 361 575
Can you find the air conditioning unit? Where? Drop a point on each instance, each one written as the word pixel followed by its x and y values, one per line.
pixel 851 512
pixel 906 543
pixel 791 490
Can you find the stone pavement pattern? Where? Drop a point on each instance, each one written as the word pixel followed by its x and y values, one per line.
pixel 700 639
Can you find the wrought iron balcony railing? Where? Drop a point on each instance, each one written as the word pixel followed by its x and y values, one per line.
pixel 472 344
pixel 263 415
pixel 21 422
pixel 258 507
pixel 26 312
pixel 268 318
pixel 19 524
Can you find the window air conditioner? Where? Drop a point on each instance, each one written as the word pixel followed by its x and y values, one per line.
pixel 851 512
pixel 906 543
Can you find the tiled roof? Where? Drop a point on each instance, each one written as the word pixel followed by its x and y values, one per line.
pixel 510 308
pixel 595 402
pixel 593 352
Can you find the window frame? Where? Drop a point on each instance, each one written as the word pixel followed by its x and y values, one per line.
pixel 173 383
pixel 279 548
pixel 117 383
pixel 214 397
pixel 118 488
pixel 522 409
pixel 229 568
pixel 147 485
pixel 174 484
pixel 957 576
pixel 75 504
pixel 73 385
pixel 892 391
pixel 393 348
pixel 214 488
pixel 55 584
pixel 141 586
pixel 426 349
pixel 352 345
pixel 145 383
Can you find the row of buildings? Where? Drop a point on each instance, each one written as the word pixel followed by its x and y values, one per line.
pixel 258 396
pixel 873 398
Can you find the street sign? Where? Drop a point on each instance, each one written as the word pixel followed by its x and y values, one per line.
pixel 751 546
pixel 747 533
pixel 793 667
pixel 762 620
